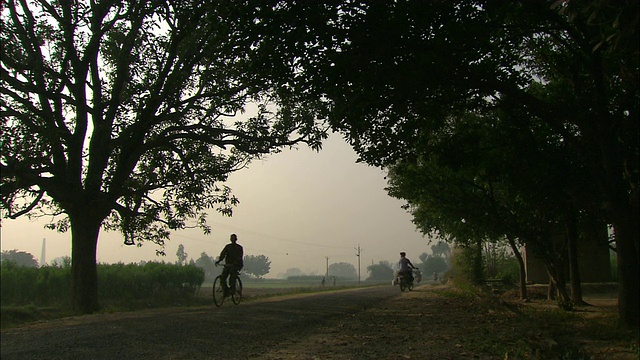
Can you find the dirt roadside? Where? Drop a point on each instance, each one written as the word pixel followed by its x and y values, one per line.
pixel 431 322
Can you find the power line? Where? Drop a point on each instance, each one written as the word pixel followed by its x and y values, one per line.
pixel 279 238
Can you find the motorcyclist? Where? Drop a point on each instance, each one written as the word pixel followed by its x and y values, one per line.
pixel 405 267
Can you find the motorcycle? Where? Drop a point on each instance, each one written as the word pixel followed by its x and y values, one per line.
pixel 406 284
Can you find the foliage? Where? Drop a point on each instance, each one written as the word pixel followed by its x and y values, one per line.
pixel 20 258
pixel 441 249
pixel 256 265
pixel 122 115
pixel 380 271
pixel 182 256
pixel 467 266
pixel 343 270
pixel 207 264
pixel 123 285
pixel 433 264
pixel 292 272
pixel 500 263
pixel 530 121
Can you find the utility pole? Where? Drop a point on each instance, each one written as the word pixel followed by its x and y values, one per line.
pixel 358 251
pixel 326 275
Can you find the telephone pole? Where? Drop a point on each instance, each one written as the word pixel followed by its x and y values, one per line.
pixel 326 274
pixel 358 251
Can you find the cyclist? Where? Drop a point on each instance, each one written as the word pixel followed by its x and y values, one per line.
pixel 405 266
pixel 232 254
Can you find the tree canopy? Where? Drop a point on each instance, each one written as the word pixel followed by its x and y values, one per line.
pixel 20 258
pixel 256 265
pixel 431 85
pixel 343 270
pixel 126 115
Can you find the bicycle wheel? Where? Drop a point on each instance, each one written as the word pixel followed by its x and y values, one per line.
pixel 218 291
pixel 237 296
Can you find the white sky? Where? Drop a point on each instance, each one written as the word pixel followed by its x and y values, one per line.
pixel 297 208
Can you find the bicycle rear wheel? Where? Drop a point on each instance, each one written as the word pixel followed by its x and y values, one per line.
pixel 236 297
pixel 218 291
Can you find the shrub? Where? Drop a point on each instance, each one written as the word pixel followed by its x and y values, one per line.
pixel 120 284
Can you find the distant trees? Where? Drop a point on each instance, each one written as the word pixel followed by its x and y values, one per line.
pixel 380 271
pixel 344 270
pixel 433 263
pixel 182 256
pixel 292 272
pixel 441 249
pixel 256 265
pixel 20 258
pixel 207 264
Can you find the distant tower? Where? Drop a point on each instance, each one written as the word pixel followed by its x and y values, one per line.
pixel 43 258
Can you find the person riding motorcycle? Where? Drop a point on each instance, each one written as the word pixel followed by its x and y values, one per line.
pixel 405 267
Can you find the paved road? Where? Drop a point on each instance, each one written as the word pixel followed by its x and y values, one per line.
pixel 240 332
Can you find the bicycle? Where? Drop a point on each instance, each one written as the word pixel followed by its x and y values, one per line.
pixel 219 293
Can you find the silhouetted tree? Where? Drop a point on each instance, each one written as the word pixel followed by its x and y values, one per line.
pixel 120 115
pixel 258 265
pixel 20 258
pixel 182 256
pixel 380 271
pixel 344 270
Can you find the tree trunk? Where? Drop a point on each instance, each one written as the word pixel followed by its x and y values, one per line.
pixel 522 270
pixel 574 272
pixel 478 271
pixel 557 278
pixel 84 272
pixel 551 289
pixel 623 215
pixel 626 236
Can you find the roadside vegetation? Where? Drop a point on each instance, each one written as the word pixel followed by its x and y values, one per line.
pixel 30 293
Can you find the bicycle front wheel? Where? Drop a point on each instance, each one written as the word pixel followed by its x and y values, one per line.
pixel 218 291
pixel 237 296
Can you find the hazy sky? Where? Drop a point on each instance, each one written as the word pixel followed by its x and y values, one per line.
pixel 297 208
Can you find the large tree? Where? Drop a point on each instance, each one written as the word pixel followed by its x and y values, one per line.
pixel 256 265
pixel 120 115
pixel 569 66
pixel 20 258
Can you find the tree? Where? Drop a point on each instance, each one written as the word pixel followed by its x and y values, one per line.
pixel 182 256
pixel 433 263
pixel 256 265
pixel 441 249
pixel 207 263
pixel 406 70
pixel 344 270
pixel 292 272
pixel 380 271
pixel 20 258
pixel 120 116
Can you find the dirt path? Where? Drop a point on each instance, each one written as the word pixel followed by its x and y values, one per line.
pixel 372 323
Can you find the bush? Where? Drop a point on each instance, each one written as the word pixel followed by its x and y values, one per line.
pixel 152 283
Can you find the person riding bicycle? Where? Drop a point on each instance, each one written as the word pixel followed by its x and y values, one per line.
pixel 232 254
pixel 405 266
